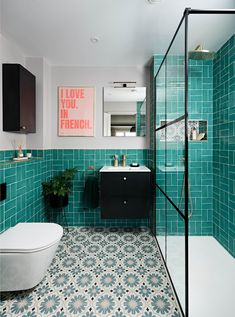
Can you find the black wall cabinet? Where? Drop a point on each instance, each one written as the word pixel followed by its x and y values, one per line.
pixel 18 99
pixel 125 195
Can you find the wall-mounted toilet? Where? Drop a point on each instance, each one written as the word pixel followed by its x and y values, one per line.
pixel 26 251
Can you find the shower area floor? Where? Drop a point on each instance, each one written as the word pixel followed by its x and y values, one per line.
pixel 211 275
pixel 99 272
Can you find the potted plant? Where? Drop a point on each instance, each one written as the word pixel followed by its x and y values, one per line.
pixel 58 188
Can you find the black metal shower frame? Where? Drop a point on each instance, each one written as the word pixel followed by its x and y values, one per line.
pixel 184 214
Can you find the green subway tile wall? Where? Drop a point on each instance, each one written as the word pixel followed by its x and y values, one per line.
pixel 24 191
pixel 212 161
pixel 24 200
pixel 200 153
pixel 224 146
pixel 84 159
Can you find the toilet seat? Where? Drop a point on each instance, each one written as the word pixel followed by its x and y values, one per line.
pixel 30 237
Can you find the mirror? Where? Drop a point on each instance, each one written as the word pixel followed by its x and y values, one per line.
pixel 124 111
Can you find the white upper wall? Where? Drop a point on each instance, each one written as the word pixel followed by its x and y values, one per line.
pixel 35 66
pixel 42 70
pixel 9 53
pixel 97 77
pixel 47 81
pixel 47 106
pixel 0 16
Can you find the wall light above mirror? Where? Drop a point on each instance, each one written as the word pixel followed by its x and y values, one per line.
pixel 124 111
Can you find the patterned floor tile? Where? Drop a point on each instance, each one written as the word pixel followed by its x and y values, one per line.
pixel 97 272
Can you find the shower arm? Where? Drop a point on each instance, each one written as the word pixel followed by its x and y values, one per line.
pixel 198 48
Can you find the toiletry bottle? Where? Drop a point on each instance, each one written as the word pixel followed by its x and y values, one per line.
pixel 194 134
pixel 115 162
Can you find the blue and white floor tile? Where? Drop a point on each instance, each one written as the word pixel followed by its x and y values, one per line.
pixel 106 272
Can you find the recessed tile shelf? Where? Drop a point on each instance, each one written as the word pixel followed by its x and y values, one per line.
pixel 175 132
pixel 11 162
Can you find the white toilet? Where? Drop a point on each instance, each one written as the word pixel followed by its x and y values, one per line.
pixel 26 251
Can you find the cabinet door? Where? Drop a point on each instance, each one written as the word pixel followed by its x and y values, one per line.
pixel 18 99
pixel 136 184
pixel 11 95
pixel 112 184
pixel 124 207
pixel 130 183
pixel 27 101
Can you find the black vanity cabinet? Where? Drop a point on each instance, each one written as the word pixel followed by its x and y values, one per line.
pixel 18 99
pixel 125 195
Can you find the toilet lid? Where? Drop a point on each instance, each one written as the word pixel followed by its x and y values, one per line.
pixel 29 237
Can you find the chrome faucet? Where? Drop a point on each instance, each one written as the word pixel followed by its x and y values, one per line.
pixel 115 162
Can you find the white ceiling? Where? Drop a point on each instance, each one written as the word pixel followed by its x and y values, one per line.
pixel 130 31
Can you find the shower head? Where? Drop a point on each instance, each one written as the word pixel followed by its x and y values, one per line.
pixel 200 54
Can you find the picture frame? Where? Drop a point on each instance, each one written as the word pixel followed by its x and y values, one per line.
pixel 76 111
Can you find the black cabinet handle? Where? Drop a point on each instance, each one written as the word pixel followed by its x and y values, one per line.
pixel 124 178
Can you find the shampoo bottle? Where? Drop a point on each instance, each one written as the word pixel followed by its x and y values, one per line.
pixel 194 134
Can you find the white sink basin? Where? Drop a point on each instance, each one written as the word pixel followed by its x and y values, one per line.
pixel 140 168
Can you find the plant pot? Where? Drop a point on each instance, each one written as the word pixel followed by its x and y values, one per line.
pixel 58 201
